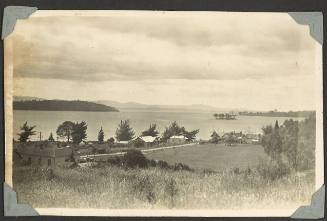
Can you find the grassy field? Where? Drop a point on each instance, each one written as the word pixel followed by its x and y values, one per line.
pixel 109 186
pixel 114 187
pixel 216 157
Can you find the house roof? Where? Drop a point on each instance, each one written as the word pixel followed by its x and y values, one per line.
pixel 178 137
pixel 148 139
pixel 123 142
pixel 252 136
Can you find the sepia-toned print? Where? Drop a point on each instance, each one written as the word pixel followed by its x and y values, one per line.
pixel 163 113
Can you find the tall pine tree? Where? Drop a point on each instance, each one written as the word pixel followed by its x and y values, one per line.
pixel 51 137
pixel 152 131
pixel 79 132
pixel 26 132
pixel 101 136
pixel 124 131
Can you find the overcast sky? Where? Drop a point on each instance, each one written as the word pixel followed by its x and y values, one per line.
pixel 231 60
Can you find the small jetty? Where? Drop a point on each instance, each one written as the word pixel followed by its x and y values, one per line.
pixel 225 116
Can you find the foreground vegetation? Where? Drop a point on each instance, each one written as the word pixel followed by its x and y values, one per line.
pixel 280 174
pixel 112 186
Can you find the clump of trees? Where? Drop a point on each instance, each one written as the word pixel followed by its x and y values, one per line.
pixel 225 116
pixel 26 132
pixel 191 135
pixel 75 131
pixel 111 141
pixel 230 139
pixel 65 130
pixel 124 131
pixel 215 138
pixel 79 132
pixel 292 143
pixel 135 158
pixel 152 131
pixel 276 113
pixel 175 130
pixel 272 142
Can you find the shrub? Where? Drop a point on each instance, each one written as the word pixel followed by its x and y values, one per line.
pixel 208 172
pixel 270 169
pixel 152 163
pixel 111 142
pixel 236 170
pixel 203 142
pixel 115 161
pixel 171 191
pixel 144 188
pixel 135 158
pixel 138 143
pixel 163 164
pixel 181 166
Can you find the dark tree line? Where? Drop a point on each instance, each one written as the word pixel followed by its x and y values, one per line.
pixel 76 132
pixel 278 113
pixel 292 143
pixel 61 105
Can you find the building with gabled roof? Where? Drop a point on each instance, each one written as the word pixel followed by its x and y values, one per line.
pixel 44 154
pixel 145 141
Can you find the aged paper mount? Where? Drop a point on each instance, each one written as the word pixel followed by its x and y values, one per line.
pixel 8 45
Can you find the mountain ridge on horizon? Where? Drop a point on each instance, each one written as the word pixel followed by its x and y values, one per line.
pixel 136 105
pixel 140 106
pixel 150 107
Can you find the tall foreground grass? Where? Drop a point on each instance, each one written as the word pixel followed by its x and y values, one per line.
pixel 114 187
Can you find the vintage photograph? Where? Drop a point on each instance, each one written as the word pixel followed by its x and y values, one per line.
pixel 164 111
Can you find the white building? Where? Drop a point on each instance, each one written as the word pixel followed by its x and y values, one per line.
pixel 177 139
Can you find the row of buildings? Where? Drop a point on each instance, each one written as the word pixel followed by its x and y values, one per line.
pixel 49 154
pixel 234 137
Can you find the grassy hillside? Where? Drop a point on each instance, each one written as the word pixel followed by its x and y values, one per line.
pixel 214 156
pixel 113 187
pixel 61 105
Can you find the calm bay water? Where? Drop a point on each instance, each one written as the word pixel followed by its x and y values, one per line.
pixel 48 121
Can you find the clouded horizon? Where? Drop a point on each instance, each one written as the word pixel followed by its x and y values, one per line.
pixel 258 61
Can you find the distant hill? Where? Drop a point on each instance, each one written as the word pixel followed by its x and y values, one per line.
pixel 134 106
pixel 278 113
pixel 147 107
pixel 62 105
pixel 27 98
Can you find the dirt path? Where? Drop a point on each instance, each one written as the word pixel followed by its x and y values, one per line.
pixel 169 147
pixel 145 151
